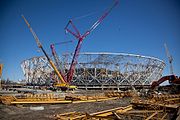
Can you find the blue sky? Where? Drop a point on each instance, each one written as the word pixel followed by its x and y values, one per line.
pixel 134 26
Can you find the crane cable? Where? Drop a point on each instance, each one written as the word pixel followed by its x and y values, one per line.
pixel 85 15
pixel 95 12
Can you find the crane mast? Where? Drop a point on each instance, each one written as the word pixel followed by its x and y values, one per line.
pixel 41 47
pixel 170 59
pixel 80 38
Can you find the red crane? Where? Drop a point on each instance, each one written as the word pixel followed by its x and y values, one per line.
pixel 81 37
pixel 56 58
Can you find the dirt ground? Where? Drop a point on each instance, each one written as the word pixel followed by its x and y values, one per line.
pixel 24 112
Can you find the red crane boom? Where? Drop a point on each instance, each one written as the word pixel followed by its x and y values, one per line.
pixel 56 58
pixel 80 38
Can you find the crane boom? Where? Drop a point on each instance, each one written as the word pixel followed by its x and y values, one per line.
pixel 80 38
pixel 57 61
pixel 170 59
pixel 40 46
pixel 103 16
pixel 1 67
pixel 56 58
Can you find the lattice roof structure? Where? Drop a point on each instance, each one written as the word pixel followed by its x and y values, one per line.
pixel 99 68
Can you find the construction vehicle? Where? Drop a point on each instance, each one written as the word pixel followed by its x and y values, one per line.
pixel 172 88
pixel 171 78
pixel 80 37
pixel 62 84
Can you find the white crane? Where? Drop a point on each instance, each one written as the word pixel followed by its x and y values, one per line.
pixel 170 59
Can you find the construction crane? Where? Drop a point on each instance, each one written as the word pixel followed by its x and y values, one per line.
pixel 1 67
pixel 80 37
pixel 63 84
pixel 170 59
pixel 173 79
pixel 56 58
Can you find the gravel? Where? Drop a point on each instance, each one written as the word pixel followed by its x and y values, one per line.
pixel 24 112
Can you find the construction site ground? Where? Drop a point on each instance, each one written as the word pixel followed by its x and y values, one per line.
pixel 23 112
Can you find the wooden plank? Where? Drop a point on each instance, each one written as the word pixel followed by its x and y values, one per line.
pixel 110 111
pixel 148 118
pixel 41 102
pixel 164 116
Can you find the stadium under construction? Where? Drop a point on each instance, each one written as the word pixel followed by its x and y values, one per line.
pixel 99 70
pixel 79 85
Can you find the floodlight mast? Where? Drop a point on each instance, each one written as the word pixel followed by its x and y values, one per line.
pixel 80 38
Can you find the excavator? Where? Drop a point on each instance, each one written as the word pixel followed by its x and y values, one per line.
pixel 172 88
pixel 173 80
